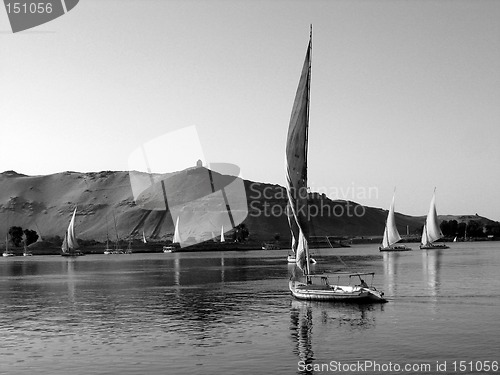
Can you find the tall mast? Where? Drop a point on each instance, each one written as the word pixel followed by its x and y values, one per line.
pixel 308 270
pixel 308 101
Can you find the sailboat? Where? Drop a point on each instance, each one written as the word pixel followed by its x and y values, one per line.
pixel 129 247
pixel 7 252
pixel 117 249
pixel 175 241
pixel 26 252
pixel 315 287
pixel 391 234
pixel 108 250
pixel 222 239
pixel 70 245
pixel 431 232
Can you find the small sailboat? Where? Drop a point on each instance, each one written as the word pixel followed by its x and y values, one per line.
pixel 144 237
pixel 175 241
pixel 117 249
pixel 70 245
pixel 107 249
pixel 222 239
pixel 7 252
pixel 26 252
pixel 391 234
pixel 432 232
pixel 129 247
pixel 315 287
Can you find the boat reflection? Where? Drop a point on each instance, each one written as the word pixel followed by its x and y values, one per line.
pixel 331 321
pixel 391 260
pixel 177 270
pixel 69 268
pixel 301 332
pixel 431 267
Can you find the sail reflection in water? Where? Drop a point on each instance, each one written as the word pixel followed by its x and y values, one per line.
pixel 301 331
pixel 391 260
pixel 431 266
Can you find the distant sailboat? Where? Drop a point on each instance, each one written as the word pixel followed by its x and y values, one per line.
pixel 296 175
pixel 129 247
pixel 176 240
pixel 7 252
pixel 117 249
pixel 144 237
pixel 222 239
pixel 26 252
pixel 431 232
pixel 107 249
pixel 391 234
pixel 70 245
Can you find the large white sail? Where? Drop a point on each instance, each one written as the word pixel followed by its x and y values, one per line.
pixel 391 234
pixel 432 229
pixel 177 235
pixel 71 238
pixel 296 165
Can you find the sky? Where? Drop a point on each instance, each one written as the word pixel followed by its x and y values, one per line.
pixel 404 94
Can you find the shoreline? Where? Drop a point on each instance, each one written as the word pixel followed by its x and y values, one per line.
pixel 45 249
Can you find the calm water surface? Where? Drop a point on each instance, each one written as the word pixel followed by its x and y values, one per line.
pixel 231 313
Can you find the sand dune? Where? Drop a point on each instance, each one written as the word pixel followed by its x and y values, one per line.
pixel 45 204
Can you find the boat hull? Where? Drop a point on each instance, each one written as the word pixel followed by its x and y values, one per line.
pixel 434 247
pixel 335 293
pixel 170 249
pixel 395 248
pixel 75 254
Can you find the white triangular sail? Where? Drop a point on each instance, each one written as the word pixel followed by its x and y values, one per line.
pixel 144 237
pixel 70 243
pixel 177 235
pixel 222 239
pixel 296 165
pixel 432 231
pixel 391 234
pixel 424 241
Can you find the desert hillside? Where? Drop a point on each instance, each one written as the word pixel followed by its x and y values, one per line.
pixel 106 200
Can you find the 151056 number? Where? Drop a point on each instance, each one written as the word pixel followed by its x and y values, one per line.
pixel 32 8
pixel 475 366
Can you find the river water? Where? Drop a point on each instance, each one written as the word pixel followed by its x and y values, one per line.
pixel 231 313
